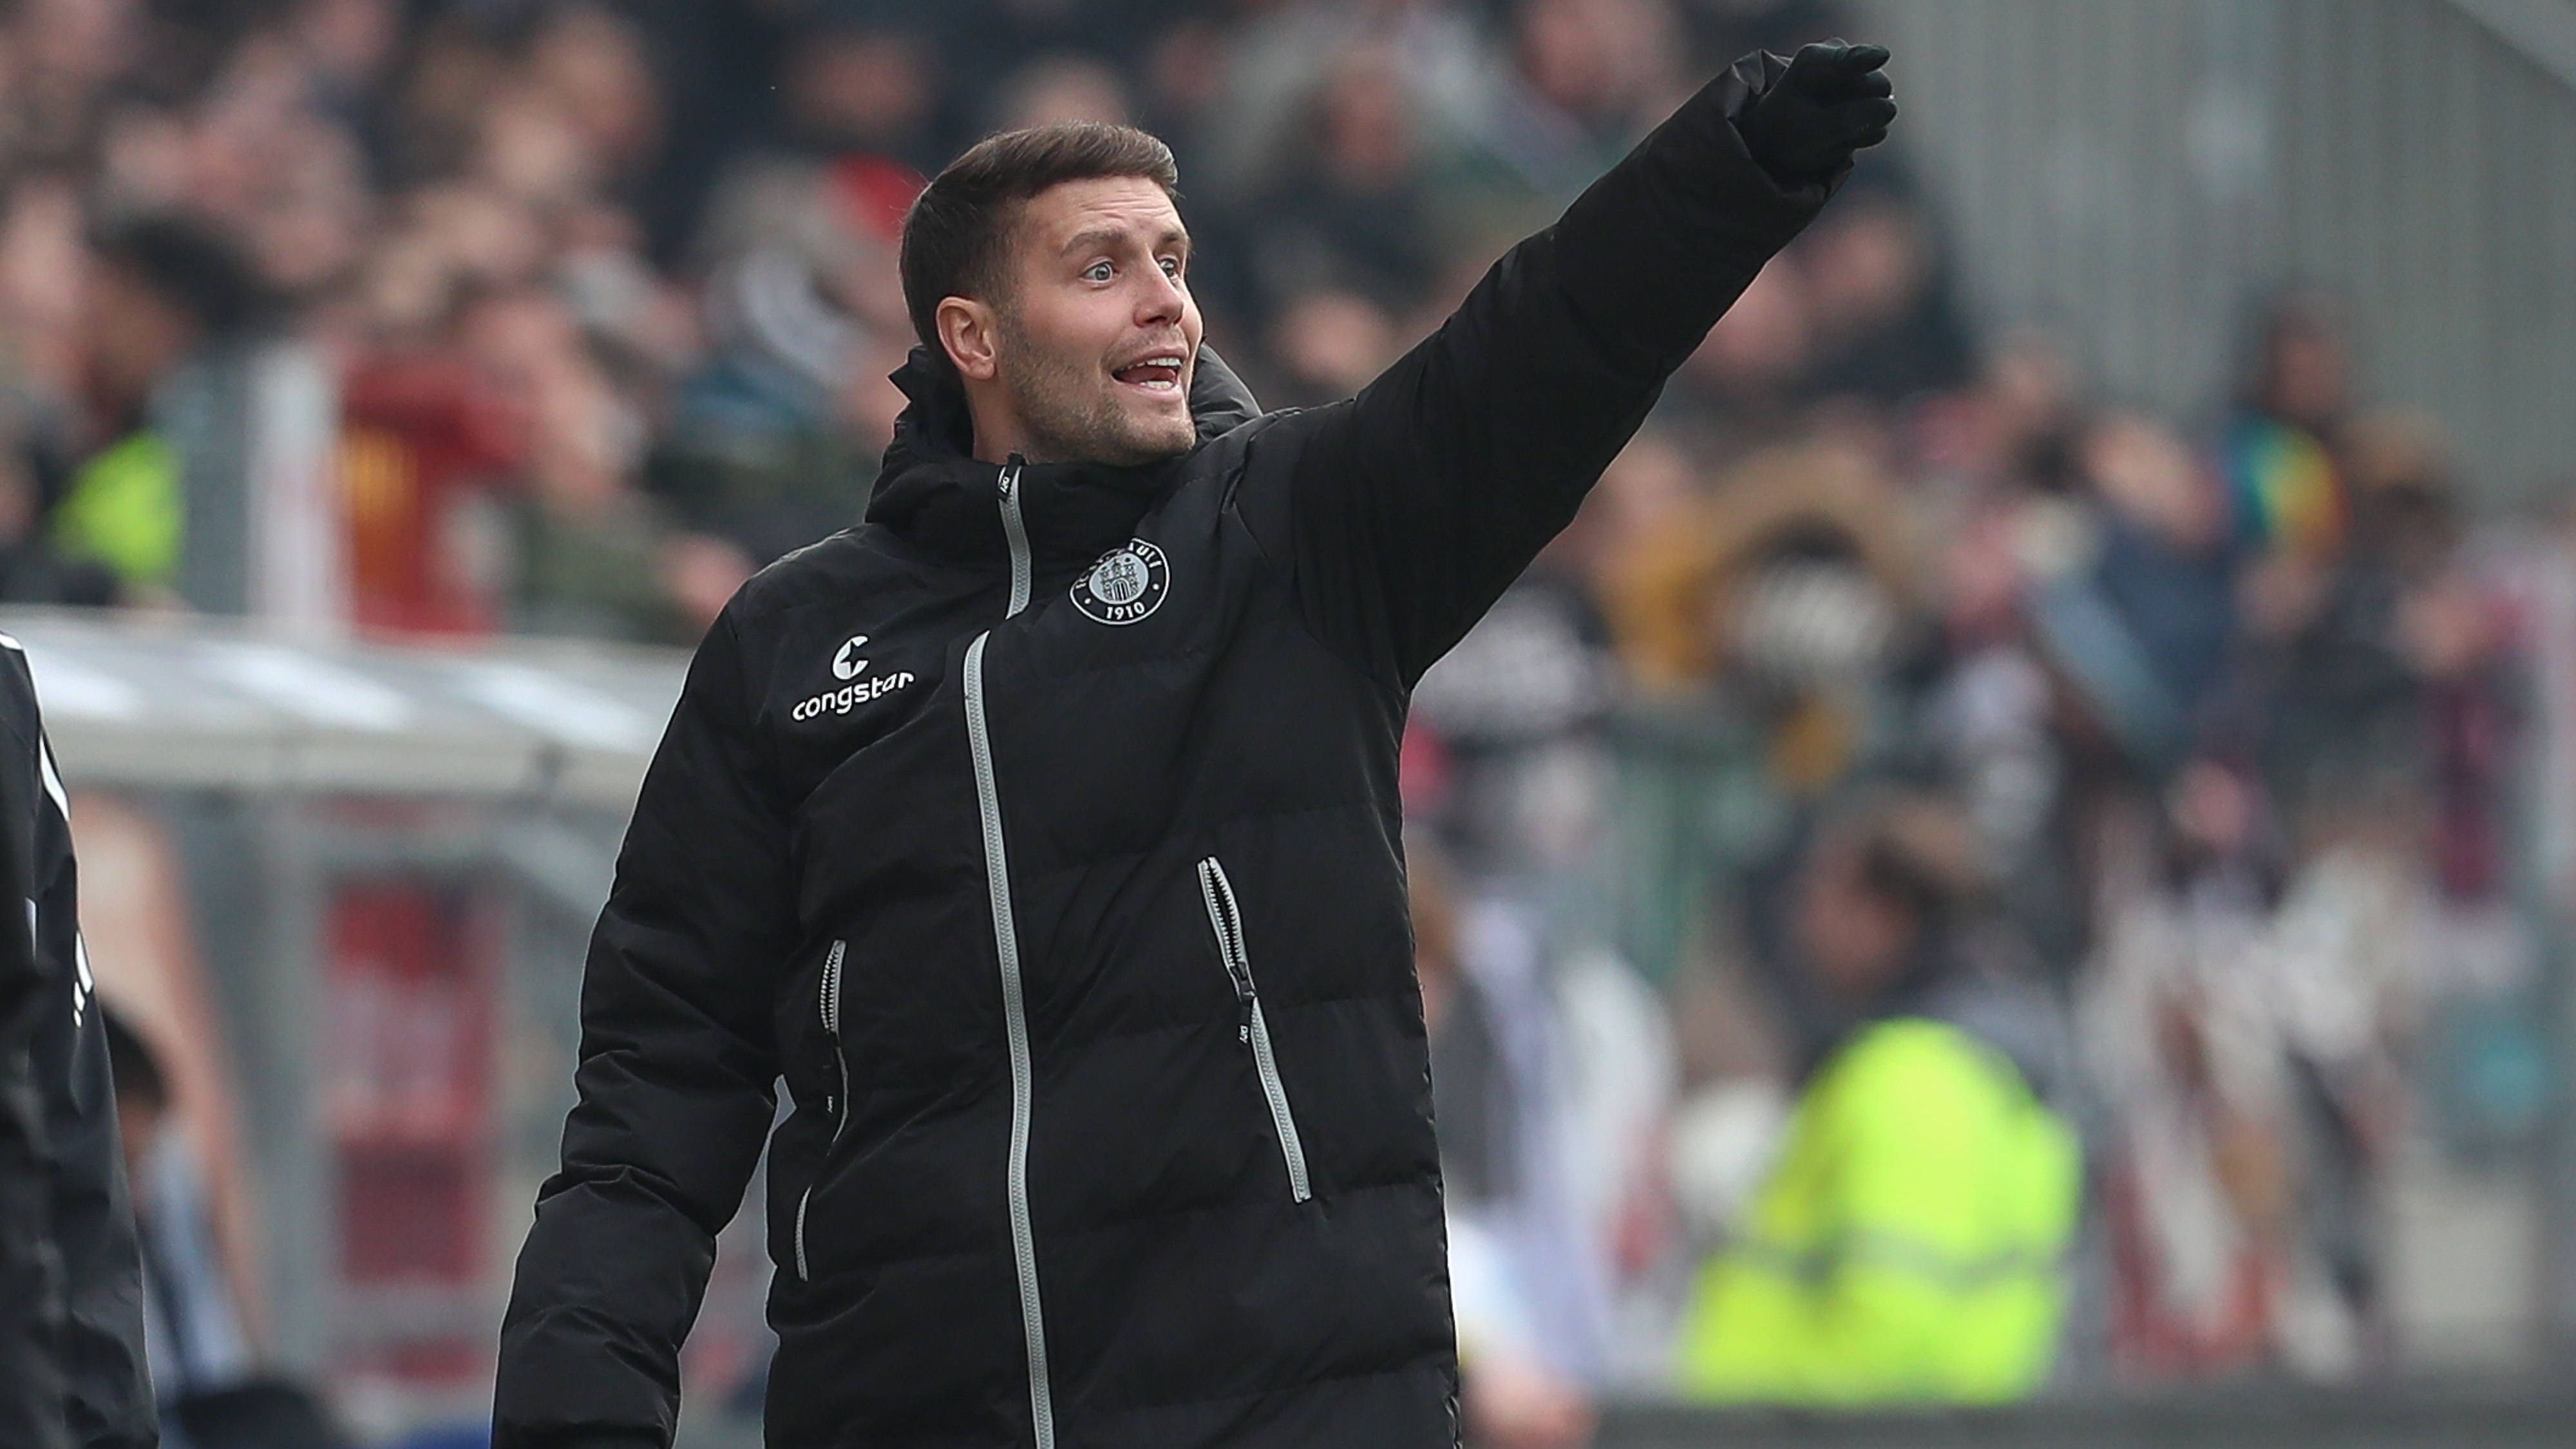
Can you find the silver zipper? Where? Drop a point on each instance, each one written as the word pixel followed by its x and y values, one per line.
pixel 840 1106
pixel 1016 531
pixel 1006 944
pixel 1227 917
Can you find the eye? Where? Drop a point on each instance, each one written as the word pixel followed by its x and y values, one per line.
pixel 1172 268
pixel 1099 271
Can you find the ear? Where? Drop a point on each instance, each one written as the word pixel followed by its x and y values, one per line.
pixel 971 336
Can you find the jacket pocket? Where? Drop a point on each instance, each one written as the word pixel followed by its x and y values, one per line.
pixel 838 1105
pixel 1254 1030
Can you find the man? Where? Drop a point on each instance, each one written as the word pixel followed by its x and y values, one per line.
pixel 1042 832
pixel 1906 1247
pixel 71 1294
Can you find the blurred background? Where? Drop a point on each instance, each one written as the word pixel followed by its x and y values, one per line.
pixel 2104 600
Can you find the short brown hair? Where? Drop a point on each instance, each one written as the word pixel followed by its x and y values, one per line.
pixel 958 229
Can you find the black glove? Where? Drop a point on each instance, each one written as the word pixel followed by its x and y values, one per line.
pixel 1831 101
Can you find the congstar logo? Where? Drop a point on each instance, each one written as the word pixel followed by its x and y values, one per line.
pixel 849 664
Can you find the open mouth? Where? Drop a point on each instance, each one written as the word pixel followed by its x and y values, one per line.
pixel 1158 373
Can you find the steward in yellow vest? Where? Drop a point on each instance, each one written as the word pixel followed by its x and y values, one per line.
pixel 1906 1246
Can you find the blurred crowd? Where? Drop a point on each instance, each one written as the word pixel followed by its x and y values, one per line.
pixel 1893 671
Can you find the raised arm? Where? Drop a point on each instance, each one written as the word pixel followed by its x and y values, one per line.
pixel 676 1088
pixel 1405 511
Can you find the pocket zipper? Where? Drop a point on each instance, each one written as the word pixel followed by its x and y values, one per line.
pixel 1227 917
pixel 838 1106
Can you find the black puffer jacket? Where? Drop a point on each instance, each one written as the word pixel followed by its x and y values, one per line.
pixel 1043 833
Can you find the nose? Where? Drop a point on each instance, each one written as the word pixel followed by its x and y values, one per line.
pixel 1161 301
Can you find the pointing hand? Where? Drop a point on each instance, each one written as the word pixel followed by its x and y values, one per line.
pixel 1831 101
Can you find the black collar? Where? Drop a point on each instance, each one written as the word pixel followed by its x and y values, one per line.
pixel 938 497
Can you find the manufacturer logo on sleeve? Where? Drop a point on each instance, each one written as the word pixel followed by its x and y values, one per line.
pixel 850 665
pixel 1126 585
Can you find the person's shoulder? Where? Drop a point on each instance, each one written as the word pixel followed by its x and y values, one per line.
pixel 830 568
pixel 1916 1060
pixel 1225 445
pixel 863 570
pixel 1261 441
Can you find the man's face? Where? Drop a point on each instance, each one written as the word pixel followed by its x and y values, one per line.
pixel 1096 335
pixel 1854 941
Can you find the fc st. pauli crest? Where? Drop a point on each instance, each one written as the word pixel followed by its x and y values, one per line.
pixel 1126 585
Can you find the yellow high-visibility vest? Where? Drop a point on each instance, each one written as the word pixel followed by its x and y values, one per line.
pixel 1907 1248
pixel 127 509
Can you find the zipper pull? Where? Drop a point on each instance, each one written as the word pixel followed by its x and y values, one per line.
pixel 1243 1032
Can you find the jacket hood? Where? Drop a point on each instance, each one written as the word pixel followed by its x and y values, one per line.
pixel 935 493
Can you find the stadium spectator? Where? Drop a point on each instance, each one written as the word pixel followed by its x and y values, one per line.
pixel 1906 1246
pixel 163 292
pixel 1761 629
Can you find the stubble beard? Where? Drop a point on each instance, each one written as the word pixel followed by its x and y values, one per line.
pixel 1070 419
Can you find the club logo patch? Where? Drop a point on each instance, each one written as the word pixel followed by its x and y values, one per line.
pixel 1126 585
